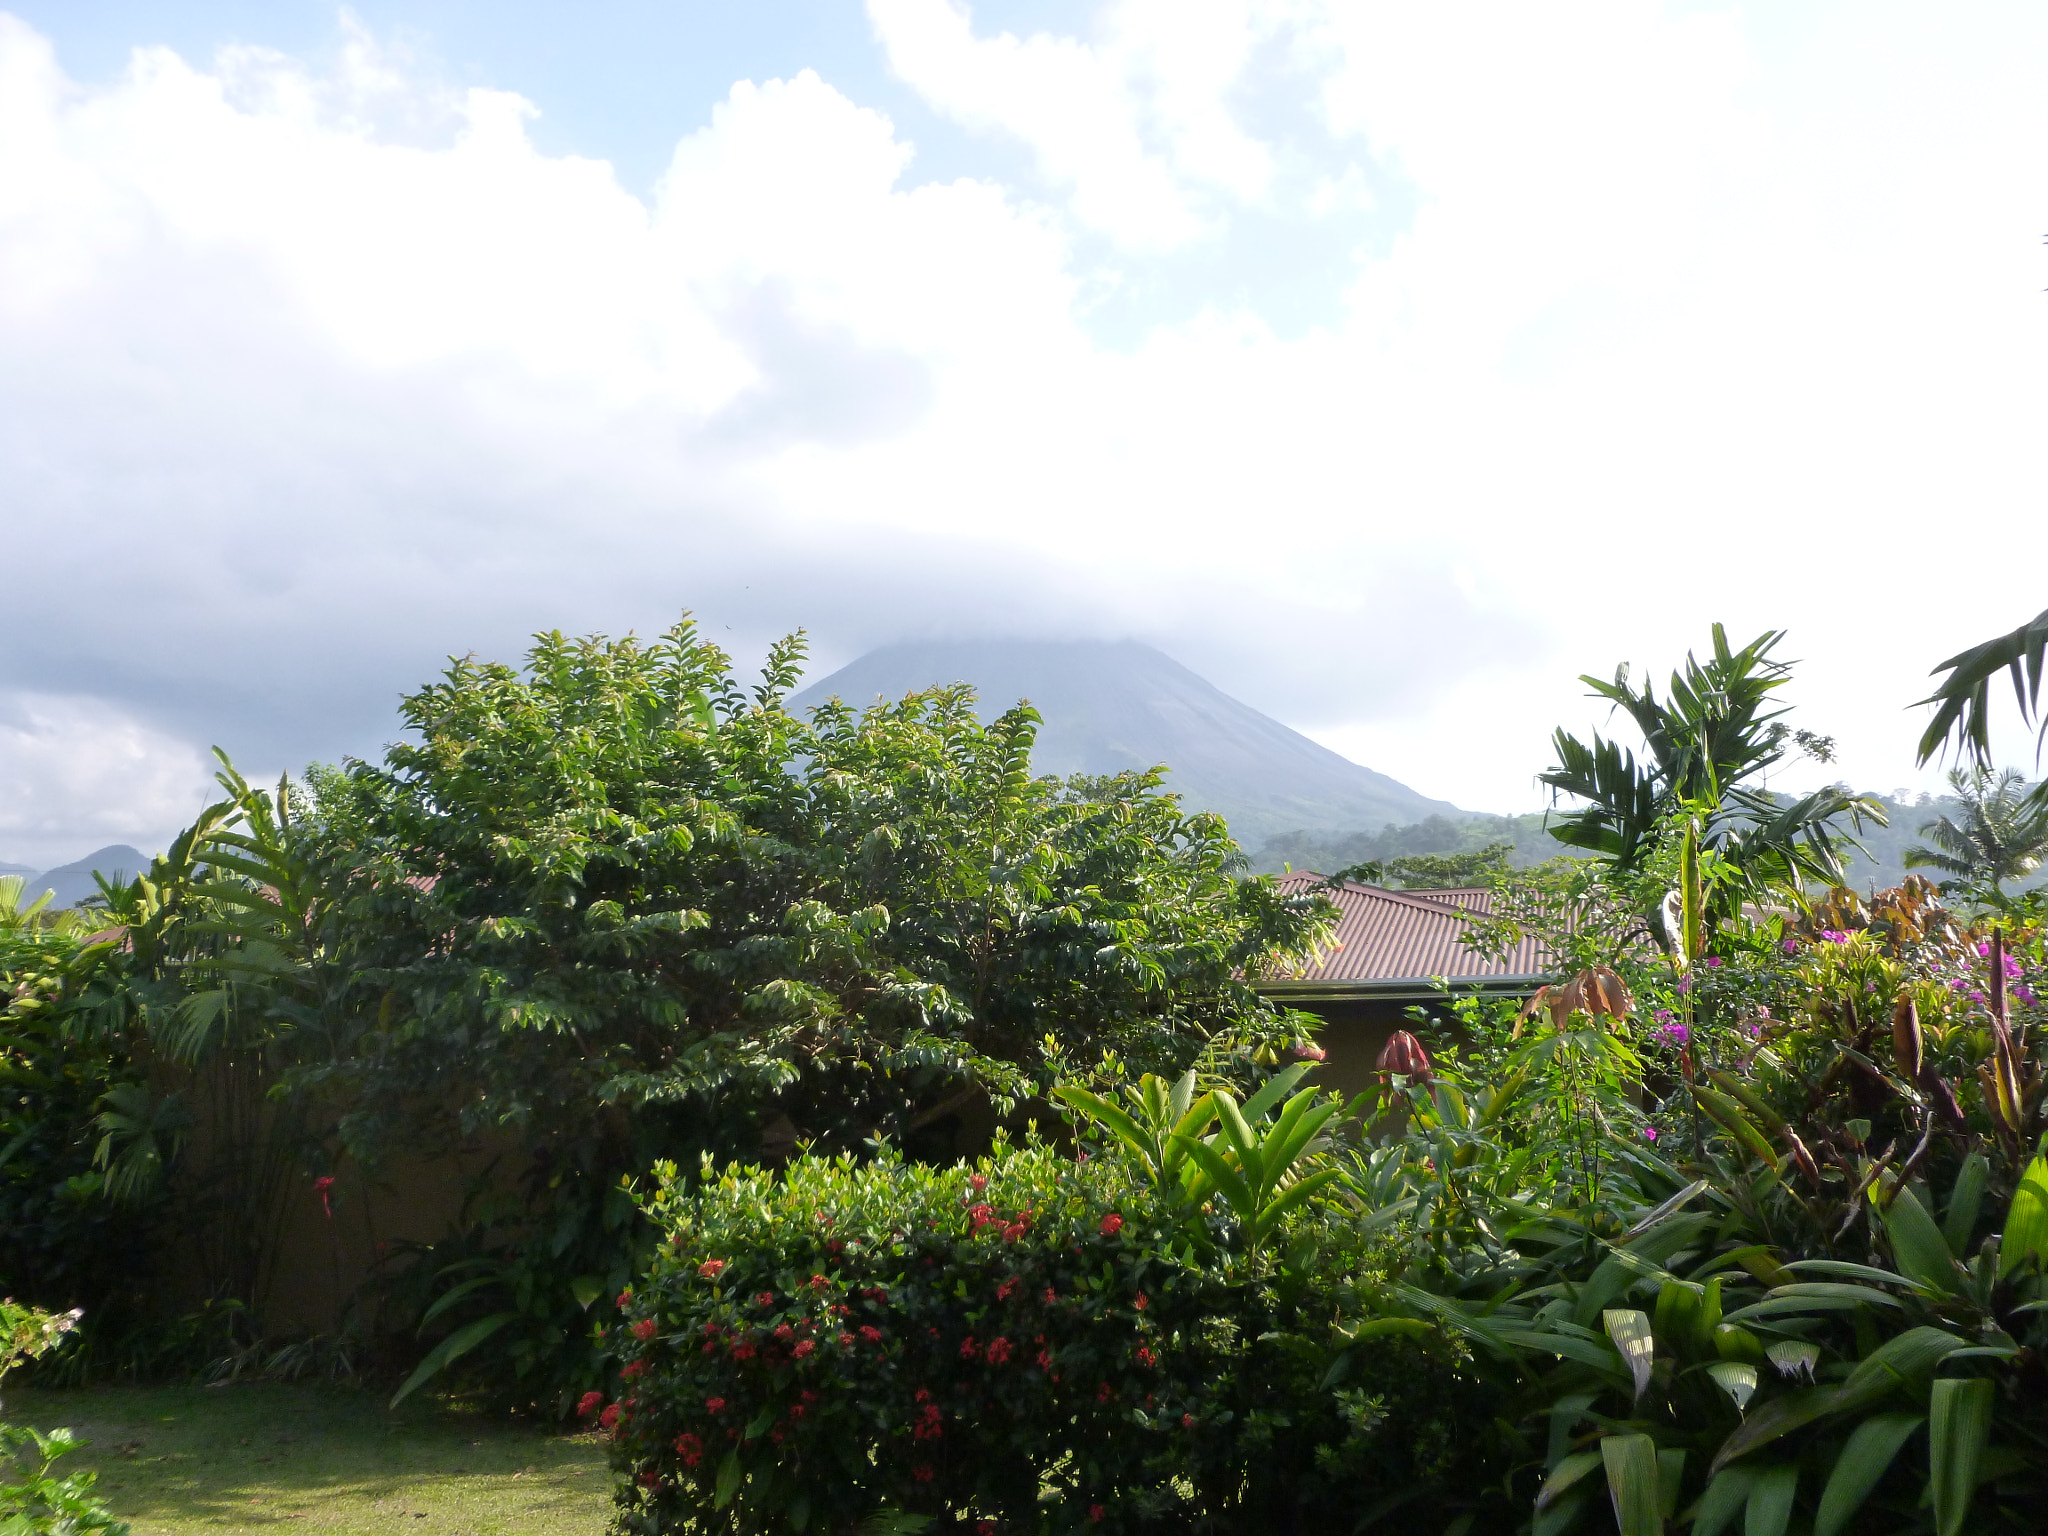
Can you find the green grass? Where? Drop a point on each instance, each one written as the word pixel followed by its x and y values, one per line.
pixel 178 1461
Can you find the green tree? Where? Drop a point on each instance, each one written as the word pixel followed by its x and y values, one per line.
pixel 1962 701
pixel 2002 835
pixel 1708 745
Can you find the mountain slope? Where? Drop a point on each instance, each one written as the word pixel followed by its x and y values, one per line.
pixel 1109 706
pixel 72 883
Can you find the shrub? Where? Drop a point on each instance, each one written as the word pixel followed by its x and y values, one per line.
pixel 1033 1343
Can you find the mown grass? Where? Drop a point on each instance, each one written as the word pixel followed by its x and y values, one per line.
pixel 179 1461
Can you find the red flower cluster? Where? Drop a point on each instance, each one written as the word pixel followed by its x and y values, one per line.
pixel 624 1299
pixel 969 1350
pixel 1142 1302
pixel 1096 1512
pixel 981 1216
pixel 609 1417
pixel 588 1404
pixel 644 1329
pixel 1007 1289
pixel 819 1282
pixel 690 1448
pixel 710 1269
pixel 998 1351
pixel 1111 1225
pixel 714 1405
pixel 931 1423
pixel 1145 1356
pixel 803 1348
pixel 765 1299
pixel 872 1334
pixel 632 1369
pixel 922 1471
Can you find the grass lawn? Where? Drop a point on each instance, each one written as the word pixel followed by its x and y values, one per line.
pixel 176 1461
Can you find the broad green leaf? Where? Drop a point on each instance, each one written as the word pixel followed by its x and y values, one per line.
pixel 1670 1480
pixel 1905 1360
pixel 1771 1498
pixel 1632 1335
pixel 1958 1428
pixel 1736 1379
pixel 586 1289
pixel 1724 1499
pixel 1631 1462
pixel 451 1297
pixel 1965 1199
pixel 1917 1244
pixel 1274 1089
pixel 1864 1460
pixel 728 1480
pixel 1779 1417
pixel 1566 1474
pixel 2026 1224
pixel 1297 1193
pixel 449 1350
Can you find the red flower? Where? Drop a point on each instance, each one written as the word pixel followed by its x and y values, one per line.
pixel 984 1528
pixel 1045 1359
pixel 979 1182
pixel 872 1334
pixel 998 1351
pixel 1145 1355
pixel 968 1348
pixel 714 1405
pixel 796 1410
pixel 690 1448
pixel 1187 1421
pixel 744 1350
pixel 710 1269
pixel 981 1216
pixel 320 1188
pixel 1111 1225
pixel 644 1329
pixel 1403 1054
pixel 1013 1231
pixel 924 1394
pixel 765 1299
pixel 1096 1512
pixel 819 1282
pixel 651 1479
pixel 632 1369
pixel 803 1349
pixel 784 1332
pixel 1142 1303
pixel 1051 1295
pixel 624 1299
pixel 609 1417
pixel 1007 1289
pixel 1103 1394
pixel 846 1341
pixel 587 1404
pixel 931 1423
pixel 922 1472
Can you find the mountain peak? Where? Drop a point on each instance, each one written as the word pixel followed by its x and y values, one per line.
pixel 1109 706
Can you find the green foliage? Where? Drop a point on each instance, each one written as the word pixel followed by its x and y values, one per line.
pixel 1709 744
pixel 33 1500
pixel 2001 835
pixel 1033 1341
pixel 1962 716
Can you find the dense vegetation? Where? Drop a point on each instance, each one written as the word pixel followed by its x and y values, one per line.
pixel 1742 1219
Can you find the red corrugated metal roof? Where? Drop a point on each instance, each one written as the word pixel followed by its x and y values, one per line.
pixel 1404 935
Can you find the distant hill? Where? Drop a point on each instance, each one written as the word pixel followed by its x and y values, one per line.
pixel 1528 843
pixel 1111 706
pixel 16 869
pixel 72 883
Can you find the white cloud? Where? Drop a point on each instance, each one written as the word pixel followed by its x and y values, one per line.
pixel 307 380
pixel 81 773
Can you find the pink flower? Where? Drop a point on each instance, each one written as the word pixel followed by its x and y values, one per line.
pixel 1711 961
pixel 1112 1224
pixel 1649 1133
pixel 1834 935
pixel 1791 946
pixel 711 1268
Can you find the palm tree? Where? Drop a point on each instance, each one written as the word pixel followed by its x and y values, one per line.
pixel 1963 716
pixel 2002 834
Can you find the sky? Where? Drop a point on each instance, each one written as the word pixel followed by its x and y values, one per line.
pixel 1389 365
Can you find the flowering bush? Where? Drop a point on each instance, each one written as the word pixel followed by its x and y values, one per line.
pixel 1030 1343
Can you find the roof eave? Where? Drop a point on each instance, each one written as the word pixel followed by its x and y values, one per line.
pixel 1382 988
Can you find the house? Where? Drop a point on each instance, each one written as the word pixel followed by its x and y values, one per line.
pixel 1390 952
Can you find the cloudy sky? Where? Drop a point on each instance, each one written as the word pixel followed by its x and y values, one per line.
pixel 1389 364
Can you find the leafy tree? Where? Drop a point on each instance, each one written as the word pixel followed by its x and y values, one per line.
pixel 1708 745
pixel 2002 834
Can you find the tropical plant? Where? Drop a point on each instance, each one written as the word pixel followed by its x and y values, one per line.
pixel 34 1501
pixel 1962 701
pixel 1708 744
pixel 2002 835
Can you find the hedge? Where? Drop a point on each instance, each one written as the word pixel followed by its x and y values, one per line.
pixel 1030 1344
